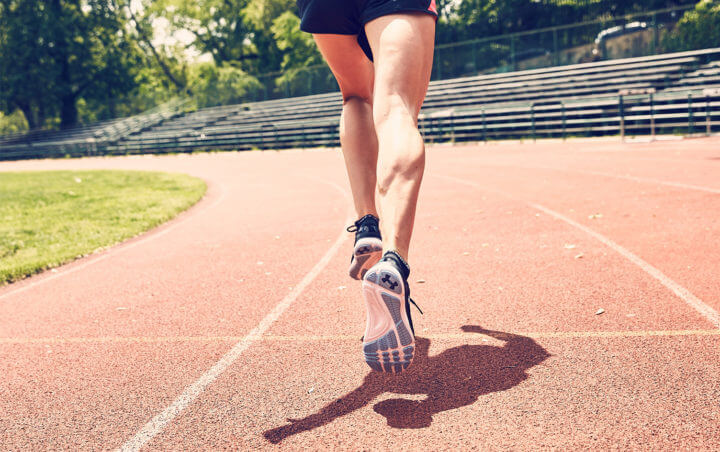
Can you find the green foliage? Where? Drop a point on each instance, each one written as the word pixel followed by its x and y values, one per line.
pixel 300 51
pixel 153 88
pixel 216 25
pixel 13 123
pixel 298 47
pixel 471 19
pixel 698 28
pixel 69 61
pixel 232 31
pixel 260 16
pixel 55 52
pixel 220 85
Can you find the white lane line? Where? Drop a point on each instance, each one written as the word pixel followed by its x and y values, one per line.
pixel 646 180
pixel 119 248
pixel 160 421
pixel 684 294
pixel 341 337
pixel 629 177
pixel 649 180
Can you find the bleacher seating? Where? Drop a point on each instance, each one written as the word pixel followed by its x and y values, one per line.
pixel 663 94
pixel 40 136
pixel 707 76
pixel 91 139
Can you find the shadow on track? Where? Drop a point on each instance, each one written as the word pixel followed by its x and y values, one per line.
pixel 455 378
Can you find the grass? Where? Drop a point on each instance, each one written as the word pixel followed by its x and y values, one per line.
pixel 52 217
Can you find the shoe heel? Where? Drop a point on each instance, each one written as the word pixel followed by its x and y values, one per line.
pixel 367 253
pixel 394 350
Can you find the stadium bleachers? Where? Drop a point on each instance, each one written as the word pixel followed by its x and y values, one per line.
pixel 92 139
pixel 40 136
pixel 671 93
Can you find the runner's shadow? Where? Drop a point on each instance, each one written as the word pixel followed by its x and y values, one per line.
pixel 455 378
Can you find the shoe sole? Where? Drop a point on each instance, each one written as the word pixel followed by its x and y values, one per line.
pixel 367 253
pixel 388 344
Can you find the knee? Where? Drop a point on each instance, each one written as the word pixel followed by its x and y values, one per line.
pixel 394 111
pixel 351 99
pixel 357 110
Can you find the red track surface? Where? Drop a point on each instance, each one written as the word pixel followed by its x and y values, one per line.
pixel 92 352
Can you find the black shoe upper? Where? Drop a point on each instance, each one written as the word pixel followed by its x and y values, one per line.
pixel 366 226
pixel 399 263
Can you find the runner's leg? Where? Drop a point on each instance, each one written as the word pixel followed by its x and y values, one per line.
pixel 402 46
pixel 354 73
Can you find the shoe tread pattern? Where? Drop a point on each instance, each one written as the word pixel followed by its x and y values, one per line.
pixel 394 351
pixel 365 255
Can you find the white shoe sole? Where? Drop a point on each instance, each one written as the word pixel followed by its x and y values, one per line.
pixel 367 253
pixel 388 343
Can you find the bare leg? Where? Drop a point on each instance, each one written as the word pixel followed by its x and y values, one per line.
pixel 402 45
pixel 354 74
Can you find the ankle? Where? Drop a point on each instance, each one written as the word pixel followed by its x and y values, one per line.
pixel 369 215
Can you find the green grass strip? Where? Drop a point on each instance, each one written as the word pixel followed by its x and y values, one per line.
pixel 49 218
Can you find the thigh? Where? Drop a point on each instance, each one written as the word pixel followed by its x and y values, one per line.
pixel 352 69
pixel 402 44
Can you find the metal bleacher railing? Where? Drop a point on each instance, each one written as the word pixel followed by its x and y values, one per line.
pixel 632 113
pixel 545 96
pixel 89 140
pixel 675 93
pixel 607 38
pixel 661 94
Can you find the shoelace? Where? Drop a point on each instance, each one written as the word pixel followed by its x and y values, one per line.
pixel 416 306
pixel 357 225
pixel 407 288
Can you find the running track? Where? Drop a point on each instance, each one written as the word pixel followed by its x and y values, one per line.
pixel 234 326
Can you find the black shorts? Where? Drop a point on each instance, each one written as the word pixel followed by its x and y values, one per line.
pixel 348 17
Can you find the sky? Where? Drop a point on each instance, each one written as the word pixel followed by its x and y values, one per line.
pixel 162 36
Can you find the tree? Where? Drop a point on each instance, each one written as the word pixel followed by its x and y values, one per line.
pixel 24 60
pixel 52 53
pixel 143 28
pixel 232 31
pixel 13 123
pixel 220 85
pixel 698 28
pixel 217 26
pixel 260 16
pixel 472 19
pixel 302 69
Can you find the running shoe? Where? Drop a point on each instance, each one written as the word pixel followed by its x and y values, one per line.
pixel 368 246
pixel 389 340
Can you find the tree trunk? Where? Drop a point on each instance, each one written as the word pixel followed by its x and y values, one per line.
pixel 40 115
pixel 68 109
pixel 112 108
pixel 165 68
pixel 29 116
pixel 68 112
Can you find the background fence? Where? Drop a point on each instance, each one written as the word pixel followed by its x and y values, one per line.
pixel 632 113
pixel 510 86
pixel 632 35
pixel 689 113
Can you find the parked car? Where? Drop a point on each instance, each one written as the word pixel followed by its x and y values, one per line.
pixel 604 38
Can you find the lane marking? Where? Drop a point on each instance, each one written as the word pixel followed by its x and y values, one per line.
pixel 681 292
pixel 158 423
pixel 626 177
pixel 646 180
pixel 348 338
pixel 120 247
